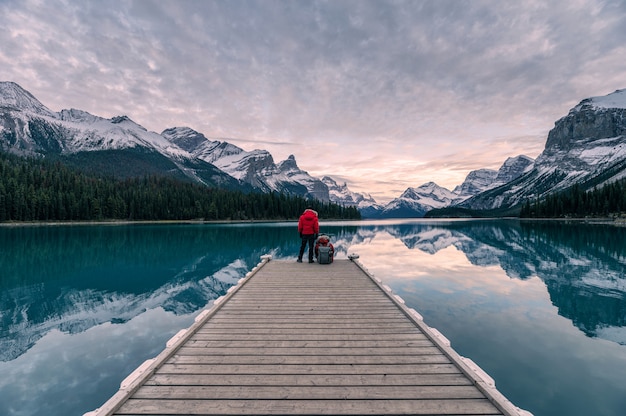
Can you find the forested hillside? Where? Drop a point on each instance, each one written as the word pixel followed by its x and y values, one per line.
pixel 576 202
pixel 38 190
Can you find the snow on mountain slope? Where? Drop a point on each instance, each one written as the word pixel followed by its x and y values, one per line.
pixel 616 99
pixel 255 167
pixel 475 182
pixel 14 97
pixel 88 133
pixel 118 146
pixel 341 195
pixel 29 128
pixel 290 175
pixel 415 202
pixel 587 146
pixel 481 180
pixel 513 168
pixel 36 129
pixel 228 157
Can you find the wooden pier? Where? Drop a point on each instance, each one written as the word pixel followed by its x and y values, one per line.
pixel 308 339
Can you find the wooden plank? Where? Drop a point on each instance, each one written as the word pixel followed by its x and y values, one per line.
pixel 370 352
pixel 308 359
pixel 308 407
pixel 311 380
pixel 264 392
pixel 309 323
pixel 308 343
pixel 296 369
pixel 313 330
pixel 308 317
pixel 369 336
pixel 268 326
pixel 303 310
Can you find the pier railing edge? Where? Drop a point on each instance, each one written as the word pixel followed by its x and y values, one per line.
pixel 136 379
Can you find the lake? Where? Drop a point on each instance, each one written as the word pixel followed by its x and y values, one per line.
pixel 540 306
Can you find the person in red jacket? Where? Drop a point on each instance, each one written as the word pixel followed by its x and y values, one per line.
pixel 308 227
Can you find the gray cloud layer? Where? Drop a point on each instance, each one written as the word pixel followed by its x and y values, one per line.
pixel 392 93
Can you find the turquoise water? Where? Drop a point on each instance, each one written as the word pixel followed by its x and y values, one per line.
pixel 540 306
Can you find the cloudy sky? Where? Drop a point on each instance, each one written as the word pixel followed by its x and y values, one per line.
pixel 384 95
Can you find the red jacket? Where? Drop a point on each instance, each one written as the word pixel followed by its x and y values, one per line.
pixel 308 223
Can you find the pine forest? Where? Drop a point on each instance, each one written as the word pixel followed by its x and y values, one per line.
pixel 38 190
pixel 576 202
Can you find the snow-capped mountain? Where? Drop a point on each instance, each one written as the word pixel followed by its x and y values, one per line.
pixel 117 146
pixel 15 98
pixel 586 147
pixel 40 130
pixel 121 147
pixel 481 180
pixel 476 182
pixel 511 169
pixel 340 194
pixel 256 167
pixel 415 202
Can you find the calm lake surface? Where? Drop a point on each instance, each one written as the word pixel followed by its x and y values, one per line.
pixel 540 306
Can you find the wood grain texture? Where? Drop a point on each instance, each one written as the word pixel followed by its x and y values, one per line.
pixel 309 339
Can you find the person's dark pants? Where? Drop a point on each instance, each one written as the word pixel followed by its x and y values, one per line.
pixel 310 239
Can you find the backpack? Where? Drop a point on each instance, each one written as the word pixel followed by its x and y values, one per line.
pixel 324 255
pixel 324 250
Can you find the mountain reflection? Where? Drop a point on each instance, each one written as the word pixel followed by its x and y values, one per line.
pixel 582 265
pixel 74 278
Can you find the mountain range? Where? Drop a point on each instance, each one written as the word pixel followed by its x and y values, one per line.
pixel 121 147
pixel 416 202
pixel 587 147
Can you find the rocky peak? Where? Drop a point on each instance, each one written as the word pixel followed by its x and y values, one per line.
pixel 593 118
pixel 77 116
pixel 429 190
pixel 586 147
pixel 513 168
pixel 15 97
pixel 288 164
pixel 476 181
pixel 342 195
pixel 331 182
pixel 185 137
pixel 616 99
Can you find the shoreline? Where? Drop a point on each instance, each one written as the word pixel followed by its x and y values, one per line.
pixel 127 222
pixel 618 222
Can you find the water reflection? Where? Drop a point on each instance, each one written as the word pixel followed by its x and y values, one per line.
pixel 583 266
pixel 82 306
pixel 72 278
